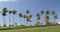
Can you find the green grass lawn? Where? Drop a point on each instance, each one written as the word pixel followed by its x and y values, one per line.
pixel 36 29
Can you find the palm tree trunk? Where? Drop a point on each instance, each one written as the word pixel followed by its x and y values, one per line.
pixel 9 20
pixel 13 19
pixel 55 21
pixel 24 20
pixel 42 19
pixel 27 23
pixel 4 21
pixel 20 21
pixel 30 24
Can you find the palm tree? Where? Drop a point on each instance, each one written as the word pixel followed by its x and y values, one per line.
pixel 47 17
pixel 42 12
pixel 4 19
pixel 53 13
pixel 4 14
pixel 30 20
pixel 47 20
pixel 20 15
pixel 10 18
pixel 55 17
pixel 14 12
pixel 38 18
pixel 27 17
pixel 24 16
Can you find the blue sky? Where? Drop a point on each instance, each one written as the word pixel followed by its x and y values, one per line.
pixel 33 5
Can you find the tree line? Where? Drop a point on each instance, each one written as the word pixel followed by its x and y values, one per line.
pixel 28 18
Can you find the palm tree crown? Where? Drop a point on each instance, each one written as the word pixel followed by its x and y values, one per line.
pixel 30 15
pixel 55 16
pixel 5 10
pixel 42 12
pixel 38 16
pixel 20 15
pixel 14 11
pixel 10 12
pixel 27 12
pixel 47 12
pixel 53 12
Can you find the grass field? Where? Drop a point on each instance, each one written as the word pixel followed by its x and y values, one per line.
pixel 36 29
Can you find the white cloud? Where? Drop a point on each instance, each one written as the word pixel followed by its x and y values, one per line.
pixel 7 0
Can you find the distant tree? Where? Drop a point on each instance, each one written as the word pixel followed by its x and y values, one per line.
pixel 47 17
pixel 10 12
pixel 14 13
pixel 4 15
pixel 30 19
pixel 47 20
pixel 20 15
pixel 42 12
pixel 38 17
pixel 53 14
pixel 27 17
pixel 55 17
pixel 24 16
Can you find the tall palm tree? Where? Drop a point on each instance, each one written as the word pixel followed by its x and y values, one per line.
pixel 47 17
pixel 24 16
pixel 30 19
pixel 4 14
pixel 53 13
pixel 55 17
pixel 4 19
pixel 42 12
pixel 20 15
pixel 14 13
pixel 10 18
pixel 38 18
pixel 27 17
